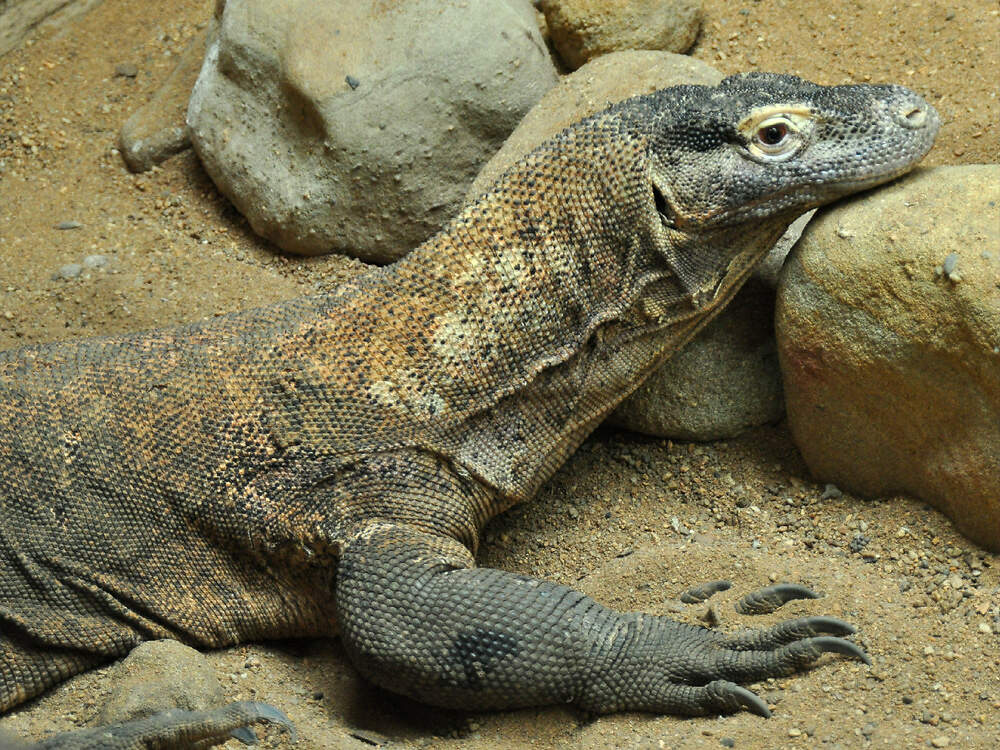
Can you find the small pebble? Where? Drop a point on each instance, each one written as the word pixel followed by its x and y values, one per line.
pixel 68 225
pixel 831 492
pixel 950 267
pixel 69 271
pixel 126 70
pixel 859 542
pixel 95 261
pixel 793 732
pixel 352 82
pixel 727 742
pixel 940 741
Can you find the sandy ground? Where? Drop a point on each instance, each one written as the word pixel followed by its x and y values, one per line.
pixel 629 520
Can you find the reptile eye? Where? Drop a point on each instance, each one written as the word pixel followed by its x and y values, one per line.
pixel 772 135
pixel 778 137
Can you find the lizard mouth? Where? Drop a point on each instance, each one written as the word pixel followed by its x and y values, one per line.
pixel 863 182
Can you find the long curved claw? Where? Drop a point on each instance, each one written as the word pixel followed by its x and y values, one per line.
pixel 720 696
pixel 255 711
pixel 700 672
pixel 700 593
pixel 840 646
pixel 825 625
pixel 768 599
pixel 245 735
pixel 749 700
pixel 788 632
pixel 746 665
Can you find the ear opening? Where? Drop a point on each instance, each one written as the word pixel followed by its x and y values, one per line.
pixel 663 208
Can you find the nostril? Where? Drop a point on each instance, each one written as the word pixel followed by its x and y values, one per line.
pixel 913 116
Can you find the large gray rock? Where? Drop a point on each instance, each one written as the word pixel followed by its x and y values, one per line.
pixel 582 30
pixel 888 325
pixel 357 127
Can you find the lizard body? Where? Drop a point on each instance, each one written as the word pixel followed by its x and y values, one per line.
pixel 326 464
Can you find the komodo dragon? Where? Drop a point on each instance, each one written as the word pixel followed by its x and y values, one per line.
pixel 326 464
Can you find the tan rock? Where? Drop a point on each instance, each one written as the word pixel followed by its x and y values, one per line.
pixel 158 130
pixel 584 29
pixel 888 325
pixel 157 676
pixel 598 84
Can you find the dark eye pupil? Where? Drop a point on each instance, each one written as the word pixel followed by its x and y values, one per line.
pixel 773 134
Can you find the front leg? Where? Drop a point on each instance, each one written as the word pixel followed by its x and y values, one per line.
pixel 419 619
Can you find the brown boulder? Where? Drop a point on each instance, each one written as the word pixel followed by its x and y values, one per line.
pixel 888 326
pixel 582 30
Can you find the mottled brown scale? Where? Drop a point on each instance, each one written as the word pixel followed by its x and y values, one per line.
pixel 328 463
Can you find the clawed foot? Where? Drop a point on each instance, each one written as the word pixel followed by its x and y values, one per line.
pixel 685 669
pixel 175 728
pixel 781 650
pixel 703 673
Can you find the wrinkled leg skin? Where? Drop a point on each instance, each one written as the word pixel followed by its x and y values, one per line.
pixel 419 619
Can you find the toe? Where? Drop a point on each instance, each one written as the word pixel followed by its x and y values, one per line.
pixel 788 632
pixel 767 600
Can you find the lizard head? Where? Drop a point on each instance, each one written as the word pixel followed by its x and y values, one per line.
pixel 761 144
pixel 731 166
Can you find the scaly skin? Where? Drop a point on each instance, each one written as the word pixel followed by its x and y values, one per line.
pixel 329 462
